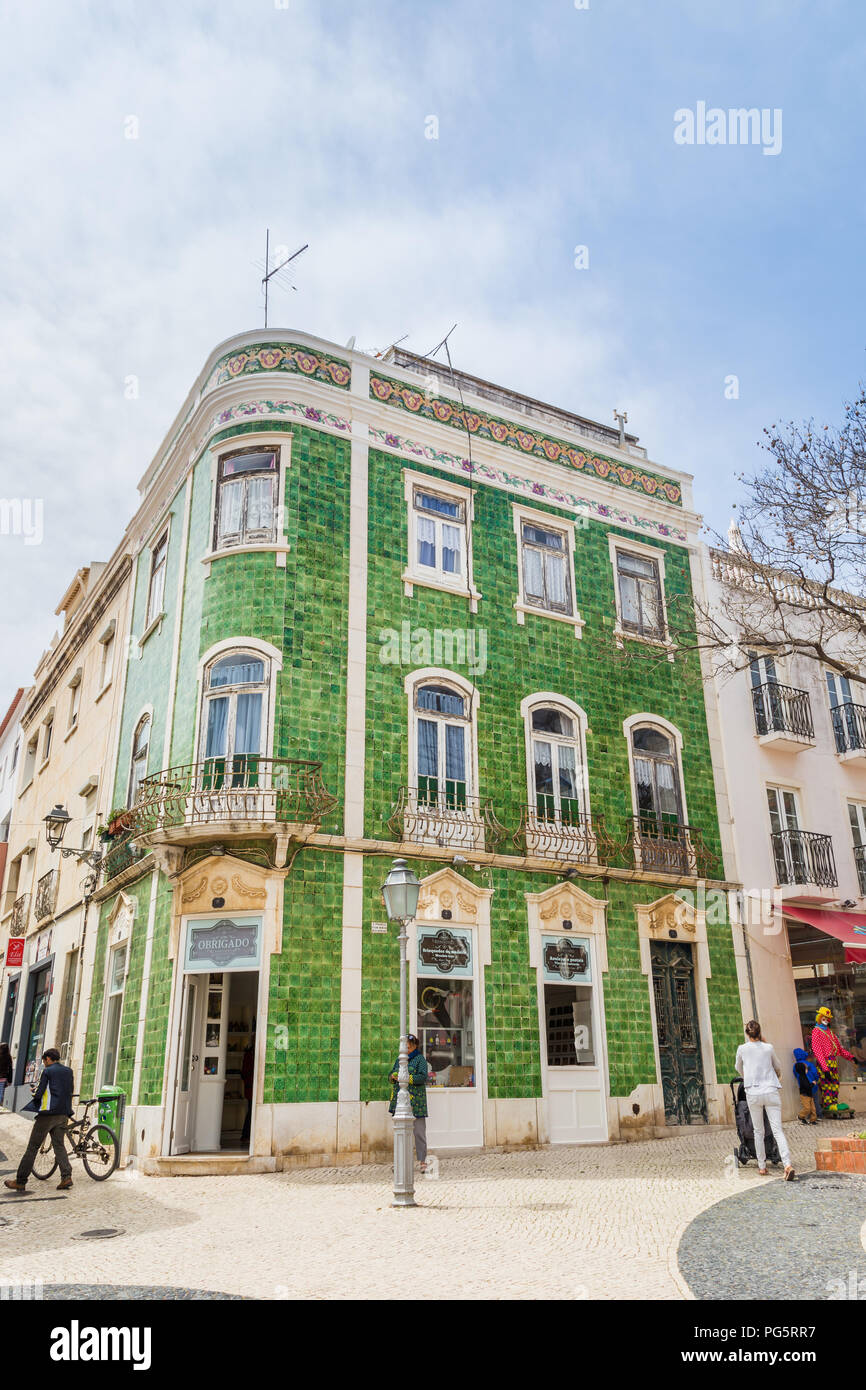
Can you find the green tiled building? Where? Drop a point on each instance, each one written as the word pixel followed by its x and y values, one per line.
pixel 384 611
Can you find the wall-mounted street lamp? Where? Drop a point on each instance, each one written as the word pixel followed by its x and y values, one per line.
pixel 56 823
pixel 400 895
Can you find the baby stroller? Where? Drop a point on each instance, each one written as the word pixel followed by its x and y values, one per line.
pixel 745 1151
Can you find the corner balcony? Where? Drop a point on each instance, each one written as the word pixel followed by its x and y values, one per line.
pixel 665 846
pixel 849 731
pixel 805 865
pixel 562 833
pixel 783 717
pixel 444 815
pixel 231 798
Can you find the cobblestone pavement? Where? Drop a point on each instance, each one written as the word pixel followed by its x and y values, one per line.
pixel 573 1223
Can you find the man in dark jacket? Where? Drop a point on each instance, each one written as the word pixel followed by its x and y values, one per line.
pixel 417 1096
pixel 59 1082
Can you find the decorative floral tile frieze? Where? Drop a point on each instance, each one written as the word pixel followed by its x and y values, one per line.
pixel 279 357
pixel 248 410
pixel 527 441
pixel 455 464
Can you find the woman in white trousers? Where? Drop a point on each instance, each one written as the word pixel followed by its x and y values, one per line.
pixel 759 1067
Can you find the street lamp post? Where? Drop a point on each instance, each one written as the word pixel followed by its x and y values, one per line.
pixel 400 894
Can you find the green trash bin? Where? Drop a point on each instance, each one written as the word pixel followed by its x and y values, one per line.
pixel 111 1107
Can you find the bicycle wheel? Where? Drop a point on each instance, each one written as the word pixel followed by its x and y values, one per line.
pixel 100 1152
pixel 46 1160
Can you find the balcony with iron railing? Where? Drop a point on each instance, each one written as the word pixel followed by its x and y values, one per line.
pixel 860 861
pixel 20 912
pixel 805 859
pixel 244 796
pixel 563 832
pixel 662 844
pixel 46 895
pixel 120 853
pixel 783 717
pixel 443 813
pixel 849 731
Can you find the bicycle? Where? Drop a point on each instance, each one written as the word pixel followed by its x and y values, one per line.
pixel 96 1146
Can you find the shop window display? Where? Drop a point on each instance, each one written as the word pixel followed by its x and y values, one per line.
pixel 824 979
pixel 446 1029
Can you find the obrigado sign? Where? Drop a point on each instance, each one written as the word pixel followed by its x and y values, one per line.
pixel 223 944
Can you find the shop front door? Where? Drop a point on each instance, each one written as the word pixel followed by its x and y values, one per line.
pixel 188 1065
pixel 447 991
pixel 679 1040
pixel 571 1040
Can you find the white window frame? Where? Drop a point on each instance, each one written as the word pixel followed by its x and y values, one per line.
pixel 75 689
pixel 627 546
pixel 281 444
pixel 664 726
pixel 153 620
pixel 146 713
pixel 106 641
pixel 546 699
pixel 28 765
pixel 108 995
pixel 274 660
pixel 520 515
pixel 422 575
pixel 433 675
pixel 47 738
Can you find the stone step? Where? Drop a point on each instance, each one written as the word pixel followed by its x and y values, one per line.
pixel 842 1155
pixel 207 1165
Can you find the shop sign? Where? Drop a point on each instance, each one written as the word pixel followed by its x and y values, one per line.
pixel 444 952
pixel 566 960
pixel 41 947
pixel 224 943
pixel 15 951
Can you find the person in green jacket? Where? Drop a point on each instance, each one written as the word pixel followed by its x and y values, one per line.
pixel 417 1096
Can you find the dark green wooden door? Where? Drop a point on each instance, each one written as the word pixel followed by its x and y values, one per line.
pixel 682 1071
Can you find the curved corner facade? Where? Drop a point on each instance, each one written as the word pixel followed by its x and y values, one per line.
pixel 352 640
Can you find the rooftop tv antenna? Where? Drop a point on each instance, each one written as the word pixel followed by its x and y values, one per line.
pixel 622 420
pixel 269 274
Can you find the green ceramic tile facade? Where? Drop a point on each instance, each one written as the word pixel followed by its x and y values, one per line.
pixel 303 1050
pixel 302 610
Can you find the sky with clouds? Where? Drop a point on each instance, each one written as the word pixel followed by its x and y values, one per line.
pixel 134 257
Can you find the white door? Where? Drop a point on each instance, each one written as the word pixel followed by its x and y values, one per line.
pixel 788 845
pixel 188 1066
pixel 446 1009
pixel 571 1042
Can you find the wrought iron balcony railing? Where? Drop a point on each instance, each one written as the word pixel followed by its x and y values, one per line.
pixel 20 909
pixel 860 861
pixel 661 844
pixel 801 856
pixel 780 709
pixel 445 814
pixel 120 854
pixel 246 788
pixel 849 728
pixel 563 833
pixel 46 895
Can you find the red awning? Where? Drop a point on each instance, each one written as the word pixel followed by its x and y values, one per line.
pixel 847 927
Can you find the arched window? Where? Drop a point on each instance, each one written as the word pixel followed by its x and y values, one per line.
pixel 234 712
pixel 138 761
pixel 556 773
pixel 442 724
pixel 656 777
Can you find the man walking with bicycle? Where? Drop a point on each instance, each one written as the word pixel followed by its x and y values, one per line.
pixel 59 1082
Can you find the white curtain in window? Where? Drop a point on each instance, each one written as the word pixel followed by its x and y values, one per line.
pixel 567 771
pixel 533 574
pixel 543 759
pixel 231 504
pixel 667 789
pixel 260 504
pixel 652 617
pixel 428 753
pixel 426 541
pixel 455 761
pixel 556 584
pixel 450 549
pixel 248 724
pixel 217 725
pixel 629 601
